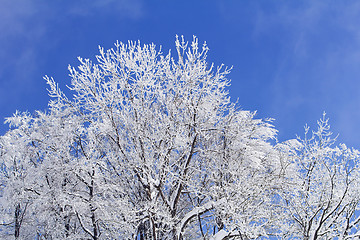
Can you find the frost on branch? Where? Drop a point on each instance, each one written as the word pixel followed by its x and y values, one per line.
pixel 147 147
pixel 322 198
pixel 151 147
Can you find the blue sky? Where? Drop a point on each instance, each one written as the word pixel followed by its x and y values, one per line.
pixel 291 60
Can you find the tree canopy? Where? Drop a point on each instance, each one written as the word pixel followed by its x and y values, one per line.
pixel 151 147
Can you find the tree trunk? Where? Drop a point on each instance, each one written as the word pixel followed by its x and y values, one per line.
pixel 92 208
pixel 17 221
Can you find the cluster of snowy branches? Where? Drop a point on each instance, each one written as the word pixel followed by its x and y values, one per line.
pixel 151 147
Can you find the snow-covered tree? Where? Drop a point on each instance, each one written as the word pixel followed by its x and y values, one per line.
pixel 322 194
pixel 19 165
pixel 148 147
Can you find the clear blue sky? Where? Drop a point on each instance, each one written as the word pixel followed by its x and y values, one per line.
pixel 291 60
